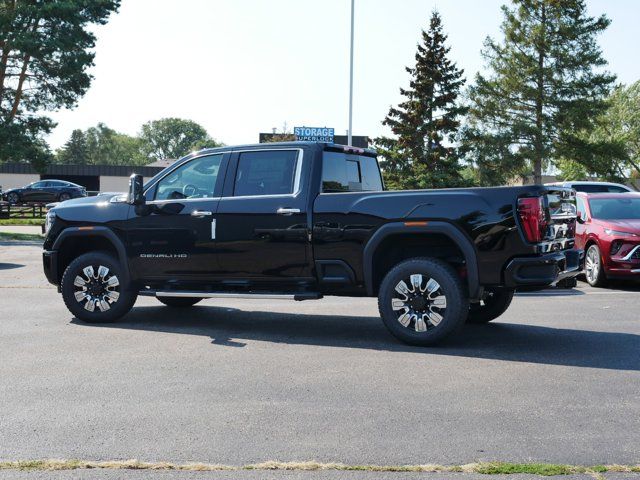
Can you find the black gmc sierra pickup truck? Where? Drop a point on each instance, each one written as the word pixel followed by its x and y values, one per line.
pixel 301 220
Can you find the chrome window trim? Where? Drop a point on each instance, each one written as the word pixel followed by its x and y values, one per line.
pixel 296 182
pixel 180 200
pixel 175 167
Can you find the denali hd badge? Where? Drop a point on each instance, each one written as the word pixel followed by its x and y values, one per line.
pixel 163 255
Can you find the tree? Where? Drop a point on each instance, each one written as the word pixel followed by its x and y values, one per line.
pixel 105 146
pixel 618 129
pixel 170 138
pixel 417 156
pixel 74 151
pixel 45 51
pixel 542 93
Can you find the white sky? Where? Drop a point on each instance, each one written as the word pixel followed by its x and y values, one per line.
pixel 240 67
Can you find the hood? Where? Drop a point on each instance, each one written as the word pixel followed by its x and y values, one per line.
pixel 631 225
pixel 100 209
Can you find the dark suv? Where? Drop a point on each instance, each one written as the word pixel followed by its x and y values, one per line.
pixel 301 220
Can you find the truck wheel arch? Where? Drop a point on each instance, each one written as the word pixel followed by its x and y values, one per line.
pixel 103 233
pixel 458 238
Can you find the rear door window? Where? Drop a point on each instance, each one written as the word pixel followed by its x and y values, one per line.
pixel 270 172
pixel 591 188
pixel 614 189
pixel 350 173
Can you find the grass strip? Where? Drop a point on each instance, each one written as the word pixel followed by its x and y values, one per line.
pixel 31 237
pixel 21 221
pixel 486 468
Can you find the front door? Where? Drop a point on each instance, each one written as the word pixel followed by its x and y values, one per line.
pixel 263 230
pixel 34 192
pixel 173 237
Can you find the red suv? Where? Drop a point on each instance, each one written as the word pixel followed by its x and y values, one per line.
pixel 608 229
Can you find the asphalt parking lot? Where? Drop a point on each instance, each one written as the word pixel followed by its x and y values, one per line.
pixel 556 379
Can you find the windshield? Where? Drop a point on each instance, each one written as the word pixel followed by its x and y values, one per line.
pixel 615 208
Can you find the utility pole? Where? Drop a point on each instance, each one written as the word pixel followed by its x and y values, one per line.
pixel 350 135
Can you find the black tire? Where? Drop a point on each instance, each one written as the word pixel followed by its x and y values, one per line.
pixel 179 302
pixel 494 304
pixel 13 198
pixel 429 322
pixel 99 286
pixel 593 270
pixel 64 196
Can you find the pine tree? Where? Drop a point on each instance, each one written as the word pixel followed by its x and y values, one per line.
pixel 418 156
pixel 74 151
pixel 545 89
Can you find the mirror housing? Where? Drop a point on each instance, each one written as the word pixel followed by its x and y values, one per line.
pixel 136 193
pixel 579 218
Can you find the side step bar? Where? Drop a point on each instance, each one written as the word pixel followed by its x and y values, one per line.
pixel 255 295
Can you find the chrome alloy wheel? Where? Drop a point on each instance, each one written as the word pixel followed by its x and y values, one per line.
pixel 99 289
pixel 592 265
pixel 419 303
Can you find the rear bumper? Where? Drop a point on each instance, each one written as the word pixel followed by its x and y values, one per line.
pixel 50 265
pixel 544 270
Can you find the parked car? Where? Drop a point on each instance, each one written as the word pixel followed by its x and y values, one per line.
pixel 300 220
pixel 45 191
pixel 608 230
pixel 594 187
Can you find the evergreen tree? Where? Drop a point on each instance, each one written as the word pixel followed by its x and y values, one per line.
pixel 418 156
pixel 74 151
pixel 544 90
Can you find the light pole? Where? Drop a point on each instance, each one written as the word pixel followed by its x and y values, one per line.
pixel 350 135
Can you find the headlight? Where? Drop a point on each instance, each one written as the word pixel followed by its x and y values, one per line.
pixel 49 219
pixel 609 231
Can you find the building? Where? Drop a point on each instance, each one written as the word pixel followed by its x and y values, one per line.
pixel 358 141
pixel 95 178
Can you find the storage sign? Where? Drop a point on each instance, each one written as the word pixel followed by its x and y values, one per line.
pixel 313 134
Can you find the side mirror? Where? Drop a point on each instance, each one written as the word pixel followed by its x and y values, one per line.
pixel 136 194
pixel 579 218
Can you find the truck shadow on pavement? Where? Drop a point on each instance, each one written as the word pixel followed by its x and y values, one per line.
pixel 10 266
pixel 498 341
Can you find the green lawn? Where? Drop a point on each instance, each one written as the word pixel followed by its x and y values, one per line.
pixel 20 237
pixel 21 221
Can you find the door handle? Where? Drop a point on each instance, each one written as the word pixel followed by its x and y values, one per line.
pixel 287 211
pixel 201 213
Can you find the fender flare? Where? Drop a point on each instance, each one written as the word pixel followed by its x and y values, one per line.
pixel 454 234
pixel 73 232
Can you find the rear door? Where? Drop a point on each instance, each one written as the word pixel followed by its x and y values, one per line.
pixel 174 237
pixel 262 227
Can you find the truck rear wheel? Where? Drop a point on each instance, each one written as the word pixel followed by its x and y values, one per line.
pixel 179 302
pixel 494 304
pixel 94 289
pixel 422 301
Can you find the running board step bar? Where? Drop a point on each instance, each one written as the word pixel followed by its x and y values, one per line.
pixel 255 295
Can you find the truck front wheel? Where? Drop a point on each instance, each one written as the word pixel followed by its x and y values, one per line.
pixel 494 304
pixel 94 289
pixel 422 300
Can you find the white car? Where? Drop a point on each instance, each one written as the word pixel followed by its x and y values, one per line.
pixel 594 187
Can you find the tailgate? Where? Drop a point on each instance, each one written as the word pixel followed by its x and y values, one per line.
pixel 560 204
